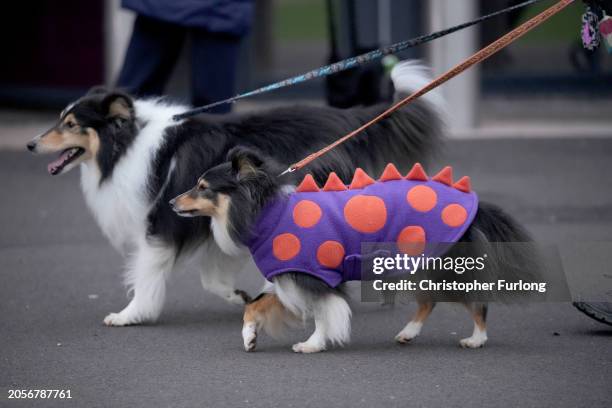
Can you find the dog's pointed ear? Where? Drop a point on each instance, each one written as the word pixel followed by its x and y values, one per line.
pixel 245 161
pixel 97 90
pixel 118 105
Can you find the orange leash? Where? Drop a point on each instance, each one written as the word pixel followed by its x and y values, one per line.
pixel 480 56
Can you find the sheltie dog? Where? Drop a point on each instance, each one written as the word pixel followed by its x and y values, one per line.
pixel 134 157
pixel 236 193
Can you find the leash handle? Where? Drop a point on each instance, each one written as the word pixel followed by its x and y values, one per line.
pixel 478 57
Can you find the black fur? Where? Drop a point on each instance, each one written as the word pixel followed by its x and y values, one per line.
pixel 488 232
pixel 116 133
pixel 287 135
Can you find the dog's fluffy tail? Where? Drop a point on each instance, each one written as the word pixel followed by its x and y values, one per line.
pixel 412 75
pixel 409 135
pixel 511 254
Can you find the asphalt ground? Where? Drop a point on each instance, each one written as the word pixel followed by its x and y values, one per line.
pixel 60 277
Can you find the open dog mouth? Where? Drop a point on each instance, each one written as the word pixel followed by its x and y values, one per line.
pixel 186 213
pixel 66 157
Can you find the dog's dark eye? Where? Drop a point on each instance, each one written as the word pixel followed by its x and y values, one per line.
pixel 70 124
pixel 201 187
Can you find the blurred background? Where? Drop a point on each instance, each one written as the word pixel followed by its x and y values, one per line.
pixel 531 127
pixel 545 83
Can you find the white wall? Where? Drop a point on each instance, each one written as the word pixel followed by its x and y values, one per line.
pixel 462 92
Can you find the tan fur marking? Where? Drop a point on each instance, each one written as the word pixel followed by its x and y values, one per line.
pixel 52 140
pixel 262 308
pixel 479 320
pixel 203 206
pixel 223 206
pixel 246 168
pixel 94 144
pixel 185 202
pixel 63 137
pixel 70 118
pixel 119 107
pixel 269 314
pixel 423 312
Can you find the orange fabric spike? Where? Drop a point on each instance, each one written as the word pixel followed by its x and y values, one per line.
pixel 308 185
pixel 417 173
pixel 390 173
pixel 334 183
pixel 463 184
pixel 361 179
pixel 445 176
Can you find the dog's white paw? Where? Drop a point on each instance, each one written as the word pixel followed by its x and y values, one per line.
pixel 249 336
pixel 116 319
pixel 307 348
pixel 475 341
pixel 409 332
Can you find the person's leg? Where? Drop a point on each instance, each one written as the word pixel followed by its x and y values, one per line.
pixel 151 55
pixel 214 60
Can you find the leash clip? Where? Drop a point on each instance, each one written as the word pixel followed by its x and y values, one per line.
pixel 290 169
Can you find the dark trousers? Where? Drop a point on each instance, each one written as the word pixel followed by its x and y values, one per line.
pixel 154 49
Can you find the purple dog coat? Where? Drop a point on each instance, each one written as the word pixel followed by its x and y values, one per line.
pixel 320 232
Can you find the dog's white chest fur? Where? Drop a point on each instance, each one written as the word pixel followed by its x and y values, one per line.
pixel 121 204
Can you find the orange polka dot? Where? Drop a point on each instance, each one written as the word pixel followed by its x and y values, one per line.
pixel 366 214
pixel 306 213
pixel 454 215
pixel 411 240
pixel 286 246
pixel 330 254
pixel 422 198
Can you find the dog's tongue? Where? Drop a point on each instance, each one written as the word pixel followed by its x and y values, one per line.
pixel 57 163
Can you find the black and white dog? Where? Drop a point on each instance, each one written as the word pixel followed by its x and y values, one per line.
pixel 134 158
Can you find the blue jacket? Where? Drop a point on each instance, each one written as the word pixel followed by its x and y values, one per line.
pixel 217 16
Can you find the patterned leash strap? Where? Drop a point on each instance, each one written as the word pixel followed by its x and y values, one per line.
pixel 353 61
pixel 590 28
pixel 597 25
pixel 480 56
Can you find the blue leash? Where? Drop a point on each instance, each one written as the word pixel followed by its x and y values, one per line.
pixel 353 61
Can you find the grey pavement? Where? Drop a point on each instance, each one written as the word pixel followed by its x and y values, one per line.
pixel 60 277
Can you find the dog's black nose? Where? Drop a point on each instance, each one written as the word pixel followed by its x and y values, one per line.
pixel 171 202
pixel 31 146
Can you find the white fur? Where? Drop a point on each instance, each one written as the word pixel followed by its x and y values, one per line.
pixel 219 226
pixel 410 76
pixel 412 330
pixel 288 189
pixel 146 277
pixel 292 297
pixel 249 335
pixel 316 342
pixel 120 206
pixel 478 338
pixel 331 313
pixel 219 270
